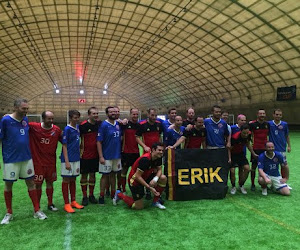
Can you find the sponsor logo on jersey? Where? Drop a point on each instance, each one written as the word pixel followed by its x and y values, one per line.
pixel 53 133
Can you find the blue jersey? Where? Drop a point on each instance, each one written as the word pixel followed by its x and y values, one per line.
pixel 235 128
pixel 166 124
pixel 172 136
pixel 15 139
pixel 216 132
pixel 71 137
pixel 110 136
pixel 271 165
pixel 278 134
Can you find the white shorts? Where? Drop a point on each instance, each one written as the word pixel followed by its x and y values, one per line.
pixel 110 165
pixel 284 155
pixel 276 184
pixel 73 172
pixel 18 170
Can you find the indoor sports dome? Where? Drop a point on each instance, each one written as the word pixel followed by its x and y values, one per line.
pixel 70 54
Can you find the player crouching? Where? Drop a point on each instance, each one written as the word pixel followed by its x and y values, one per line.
pixel 145 172
pixel 268 167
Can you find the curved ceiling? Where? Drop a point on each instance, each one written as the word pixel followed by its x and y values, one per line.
pixel 147 53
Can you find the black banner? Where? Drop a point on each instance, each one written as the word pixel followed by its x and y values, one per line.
pixel 286 93
pixel 195 174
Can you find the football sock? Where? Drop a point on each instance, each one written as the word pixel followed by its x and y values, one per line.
pixel 112 194
pixel 34 199
pixel 252 177
pixel 65 191
pixel 123 182
pixel 159 188
pixel 8 201
pixel 49 192
pixel 128 200
pixel 84 189
pixel 91 188
pixel 39 194
pixel 72 187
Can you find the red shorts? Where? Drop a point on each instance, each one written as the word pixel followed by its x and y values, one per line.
pixel 44 172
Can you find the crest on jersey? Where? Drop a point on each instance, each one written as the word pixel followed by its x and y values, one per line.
pixel 220 125
pixel 89 130
pixel 157 128
pixel 148 129
pixel 280 127
pixel 257 127
pixel 24 123
pixel 117 127
pixel 266 126
pixel 129 126
pixel 194 134
pixel 29 171
pixel 275 159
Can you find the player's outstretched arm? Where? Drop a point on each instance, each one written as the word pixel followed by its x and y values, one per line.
pixel 142 144
pixel 179 141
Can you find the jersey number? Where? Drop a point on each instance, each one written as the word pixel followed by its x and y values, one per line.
pixel 45 141
pixel 116 134
pixel 22 131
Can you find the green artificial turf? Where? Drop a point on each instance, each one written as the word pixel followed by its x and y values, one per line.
pixel 236 222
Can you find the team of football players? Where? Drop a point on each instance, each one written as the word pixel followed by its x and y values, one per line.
pixel 112 146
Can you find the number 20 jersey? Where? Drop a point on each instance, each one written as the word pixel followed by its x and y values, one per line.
pixel 15 139
pixel 43 144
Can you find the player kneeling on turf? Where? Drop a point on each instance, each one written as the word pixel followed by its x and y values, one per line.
pixel 268 167
pixel 145 172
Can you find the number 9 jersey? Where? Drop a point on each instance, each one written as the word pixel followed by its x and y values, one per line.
pixel 15 139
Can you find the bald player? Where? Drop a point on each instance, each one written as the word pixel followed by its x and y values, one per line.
pixel 44 138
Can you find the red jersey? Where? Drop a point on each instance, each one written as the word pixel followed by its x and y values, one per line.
pixel 145 164
pixel 43 144
pixel 129 144
pixel 88 133
pixel 260 133
pixel 238 143
pixel 150 132
pixel 194 137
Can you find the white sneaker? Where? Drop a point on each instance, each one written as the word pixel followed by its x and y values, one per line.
pixel 7 218
pixel 39 215
pixel 158 205
pixel 243 190
pixel 116 198
pixel 264 191
pixel 233 190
